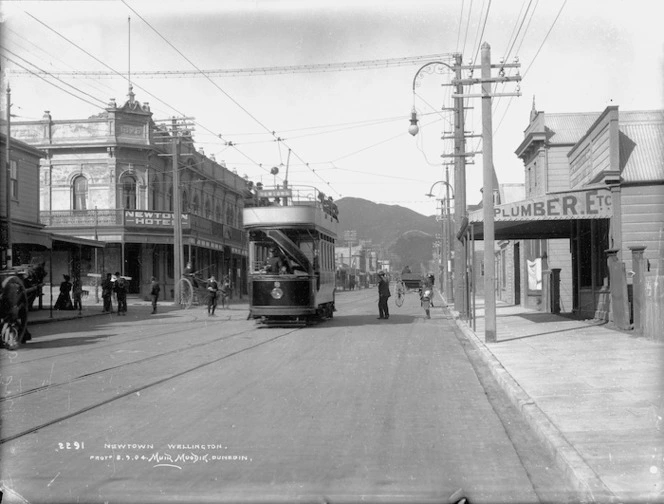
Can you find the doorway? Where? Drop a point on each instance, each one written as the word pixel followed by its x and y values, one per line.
pixel 517 273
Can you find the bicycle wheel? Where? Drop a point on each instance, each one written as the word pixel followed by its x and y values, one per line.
pixel 186 293
pixel 401 295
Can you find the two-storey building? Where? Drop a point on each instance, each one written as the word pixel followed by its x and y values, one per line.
pixel 594 190
pixel 110 178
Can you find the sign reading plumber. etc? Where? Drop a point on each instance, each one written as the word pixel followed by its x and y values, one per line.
pixel 593 204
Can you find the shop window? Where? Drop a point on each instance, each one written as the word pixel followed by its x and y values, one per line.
pixel 13 178
pixel 128 185
pixel 80 193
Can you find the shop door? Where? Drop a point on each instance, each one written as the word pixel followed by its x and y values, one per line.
pixel 132 267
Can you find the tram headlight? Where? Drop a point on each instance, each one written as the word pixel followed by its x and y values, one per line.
pixel 277 293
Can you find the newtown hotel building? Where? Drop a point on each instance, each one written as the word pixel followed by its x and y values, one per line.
pixel 110 178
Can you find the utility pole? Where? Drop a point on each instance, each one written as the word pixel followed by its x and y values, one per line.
pixel 460 294
pixel 8 166
pixel 486 81
pixel 178 129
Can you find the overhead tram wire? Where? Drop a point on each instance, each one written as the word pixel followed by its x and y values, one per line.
pixel 141 88
pixel 465 37
pixel 509 52
pixel 463 3
pixel 346 66
pixel 221 89
pixel 105 88
pixel 60 88
pixel 535 57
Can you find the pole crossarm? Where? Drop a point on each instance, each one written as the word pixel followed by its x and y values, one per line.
pixel 470 82
pixel 481 95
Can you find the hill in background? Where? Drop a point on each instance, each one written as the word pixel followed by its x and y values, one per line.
pixel 403 235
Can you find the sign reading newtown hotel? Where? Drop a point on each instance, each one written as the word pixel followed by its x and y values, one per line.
pixel 146 218
pixel 588 204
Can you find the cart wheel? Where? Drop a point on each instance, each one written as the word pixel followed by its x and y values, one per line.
pixel 14 306
pixel 186 290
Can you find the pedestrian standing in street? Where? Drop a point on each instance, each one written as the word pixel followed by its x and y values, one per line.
pixel 121 294
pixel 77 292
pixel 64 299
pixel 107 293
pixel 383 295
pixel 213 289
pixel 154 293
pixel 225 292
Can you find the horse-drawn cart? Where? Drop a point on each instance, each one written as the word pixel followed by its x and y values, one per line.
pixel 18 289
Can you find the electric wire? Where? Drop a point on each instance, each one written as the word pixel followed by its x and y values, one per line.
pixel 52 84
pixel 224 92
pixel 139 87
pixel 47 73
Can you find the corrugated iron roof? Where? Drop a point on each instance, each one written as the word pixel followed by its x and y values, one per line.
pixel 568 128
pixel 642 146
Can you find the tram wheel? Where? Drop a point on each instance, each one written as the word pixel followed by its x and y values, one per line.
pixel 14 306
pixel 185 292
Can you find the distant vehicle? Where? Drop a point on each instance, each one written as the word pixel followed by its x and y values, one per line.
pixel 291 234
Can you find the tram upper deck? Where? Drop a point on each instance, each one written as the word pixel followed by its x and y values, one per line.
pixel 296 206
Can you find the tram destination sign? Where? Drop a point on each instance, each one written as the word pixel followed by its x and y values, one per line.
pixel 145 218
pixel 588 204
pixel 274 193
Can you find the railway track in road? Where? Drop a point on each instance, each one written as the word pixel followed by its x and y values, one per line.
pixel 118 343
pixel 36 392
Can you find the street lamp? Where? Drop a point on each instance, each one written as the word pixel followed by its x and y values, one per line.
pixel 446 219
pixel 460 270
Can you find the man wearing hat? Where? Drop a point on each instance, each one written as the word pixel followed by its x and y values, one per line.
pixel 383 295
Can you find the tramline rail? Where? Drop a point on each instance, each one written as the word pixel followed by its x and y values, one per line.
pixel 138 388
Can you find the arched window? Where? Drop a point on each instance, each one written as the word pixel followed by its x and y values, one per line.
pixel 217 213
pixel 208 208
pixel 80 193
pixel 185 202
pixel 196 206
pixel 128 185
pixel 154 190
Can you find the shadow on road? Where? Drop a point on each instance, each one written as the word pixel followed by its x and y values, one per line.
pixel 65 342
pixel 358 320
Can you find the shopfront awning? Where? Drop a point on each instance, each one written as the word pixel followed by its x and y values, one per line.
pixel 544 217
pixel 66 240
pixel 30 236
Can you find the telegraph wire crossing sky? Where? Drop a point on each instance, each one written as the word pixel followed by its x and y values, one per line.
pixel 325 88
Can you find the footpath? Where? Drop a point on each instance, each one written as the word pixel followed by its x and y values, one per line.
pixel 593 395
pixel 237 309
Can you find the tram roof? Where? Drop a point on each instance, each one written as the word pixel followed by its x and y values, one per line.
pixel 293 207
pixel 290 216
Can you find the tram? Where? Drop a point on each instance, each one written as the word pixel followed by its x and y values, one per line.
pixel 291 234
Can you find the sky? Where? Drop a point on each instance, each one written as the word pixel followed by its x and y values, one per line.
pixel 343 130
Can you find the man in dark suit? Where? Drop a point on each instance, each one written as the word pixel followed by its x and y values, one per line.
pixel 383 295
